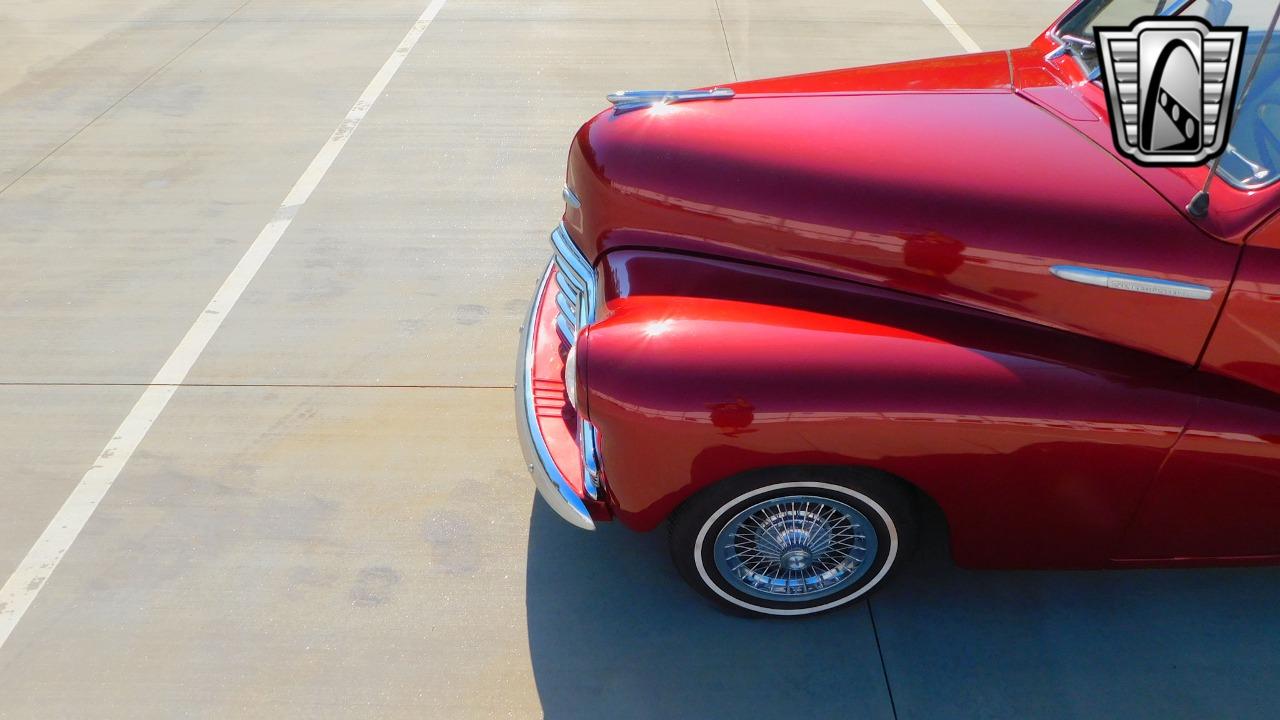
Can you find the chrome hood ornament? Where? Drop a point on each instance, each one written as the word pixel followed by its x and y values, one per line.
pixel 628 100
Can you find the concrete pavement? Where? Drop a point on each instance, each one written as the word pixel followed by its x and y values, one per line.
pixel 331 517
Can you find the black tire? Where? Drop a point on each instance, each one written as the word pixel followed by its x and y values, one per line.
pixel 881 499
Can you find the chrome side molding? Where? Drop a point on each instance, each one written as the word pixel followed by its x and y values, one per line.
pixel 1131 283
pixel 628 100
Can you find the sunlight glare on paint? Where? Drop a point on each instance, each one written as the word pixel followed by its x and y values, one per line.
pixel 663 108
pixel 658 327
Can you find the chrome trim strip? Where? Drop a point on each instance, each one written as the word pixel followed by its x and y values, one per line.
pixel 576 312
pixel 628 100
pixel 576 265
pixel 566 305
pixel 567 330
pixel 550 482
pixel 1131 283
pixel 590 459
pixel 571 198
pixel 569 275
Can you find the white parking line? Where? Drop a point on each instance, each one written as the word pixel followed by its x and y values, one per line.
pixel 952 26
pixel 25 583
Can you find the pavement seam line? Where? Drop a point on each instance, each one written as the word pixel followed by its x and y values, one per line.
pixel 122 98
pixel 22 587
pixel 875 632
pixel 953 27
pixel 733 67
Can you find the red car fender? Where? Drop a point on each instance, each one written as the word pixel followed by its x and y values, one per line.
pixel 1035 460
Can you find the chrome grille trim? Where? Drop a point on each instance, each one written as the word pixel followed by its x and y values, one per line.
pixel 576 302
pixel 567 279
pixel 566 328
pixel 551 483
pixel 571 275
pixel 577 280
pixel 567 306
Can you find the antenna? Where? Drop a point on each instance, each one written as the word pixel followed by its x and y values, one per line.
pixel 1199 205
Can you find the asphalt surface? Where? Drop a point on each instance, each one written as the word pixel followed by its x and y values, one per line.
pixel 330 517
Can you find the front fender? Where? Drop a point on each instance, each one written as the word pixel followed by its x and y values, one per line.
pixel 1035 459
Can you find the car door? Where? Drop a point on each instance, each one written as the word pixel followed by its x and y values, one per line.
pixel 1218 493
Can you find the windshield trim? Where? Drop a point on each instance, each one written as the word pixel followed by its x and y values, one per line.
pixel 1055 34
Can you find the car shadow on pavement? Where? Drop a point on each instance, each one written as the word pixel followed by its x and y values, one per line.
pixel 1126 643
pixel 614 632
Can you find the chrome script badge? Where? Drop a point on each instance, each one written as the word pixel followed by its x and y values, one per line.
pixel 1171 87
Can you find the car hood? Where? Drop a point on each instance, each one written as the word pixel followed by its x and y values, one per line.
pixel 977 72
pixel 963 191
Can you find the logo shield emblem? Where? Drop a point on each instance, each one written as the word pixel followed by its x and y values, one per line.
pixel 1171 87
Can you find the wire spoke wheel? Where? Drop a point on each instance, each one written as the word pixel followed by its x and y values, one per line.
pixel 793 541
pixel 795 548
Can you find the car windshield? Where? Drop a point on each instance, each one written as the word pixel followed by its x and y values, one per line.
pixel 1076 32
pixel 1252 158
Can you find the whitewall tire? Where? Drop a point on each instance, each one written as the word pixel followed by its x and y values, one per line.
pixel 793 541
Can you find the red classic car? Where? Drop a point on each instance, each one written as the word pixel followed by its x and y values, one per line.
pixel 785 314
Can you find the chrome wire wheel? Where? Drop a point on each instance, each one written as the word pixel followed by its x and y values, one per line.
pixel 795 548
pixel 792 541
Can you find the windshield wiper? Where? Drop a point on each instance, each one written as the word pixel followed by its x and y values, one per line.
pixel 1084 51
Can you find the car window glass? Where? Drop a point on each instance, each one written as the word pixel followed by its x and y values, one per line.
pixel 1077 29
pixel 1252 158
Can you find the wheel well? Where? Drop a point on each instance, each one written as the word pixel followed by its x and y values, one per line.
pixel 924 506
